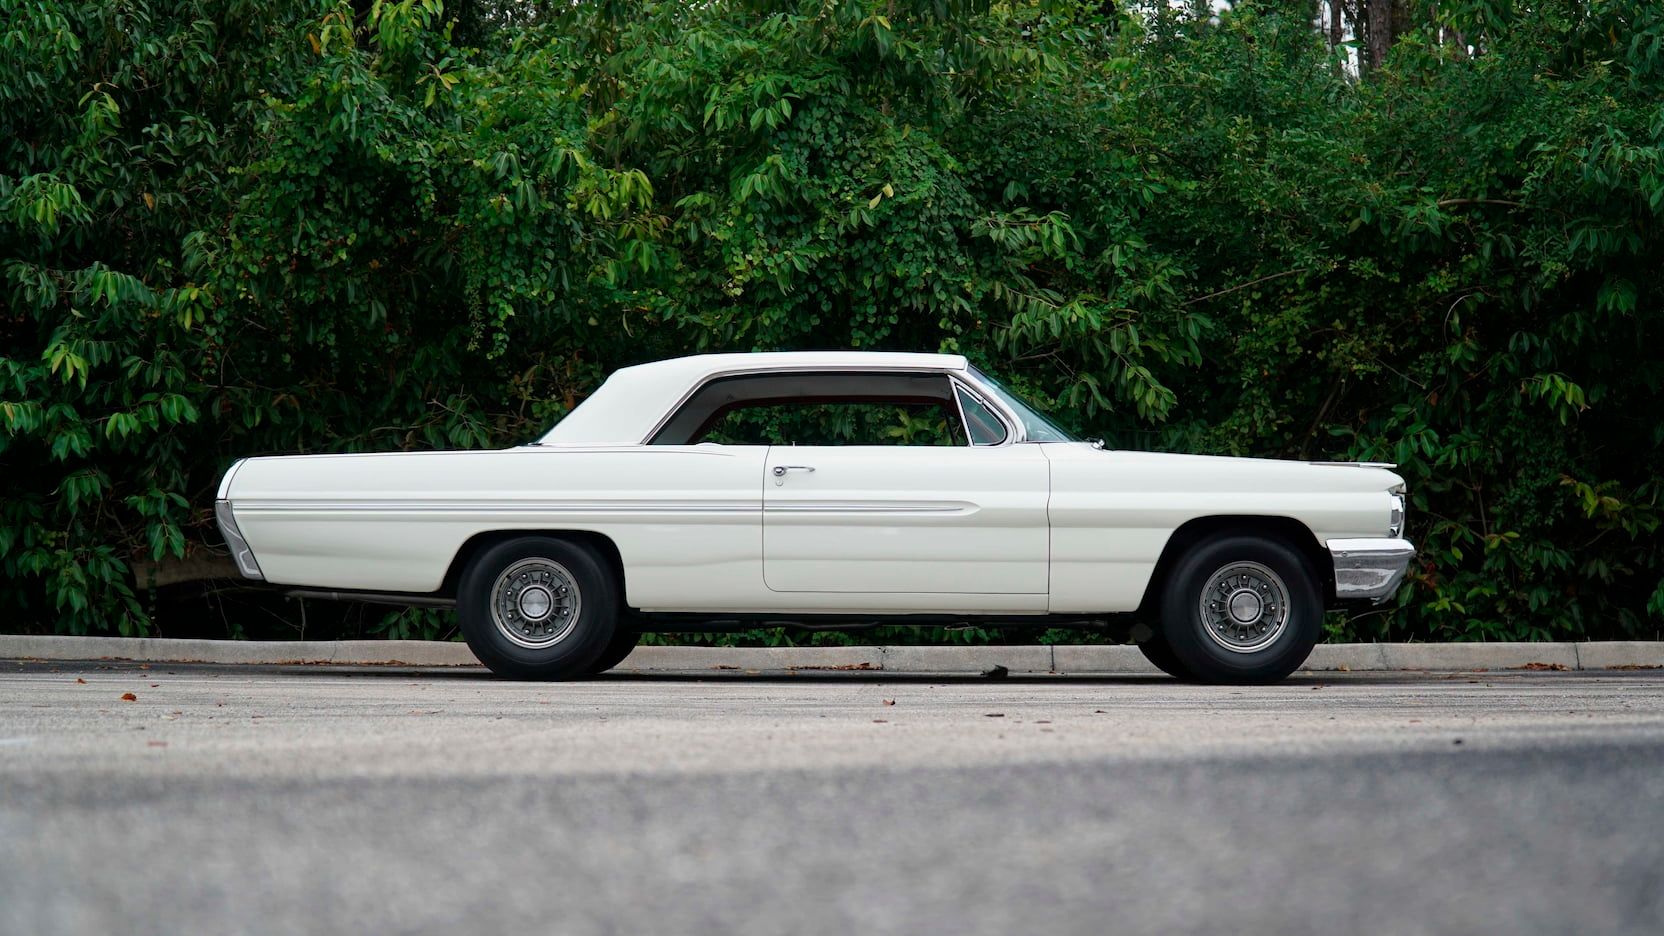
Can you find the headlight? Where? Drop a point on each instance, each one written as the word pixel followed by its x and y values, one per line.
pixel 1395 522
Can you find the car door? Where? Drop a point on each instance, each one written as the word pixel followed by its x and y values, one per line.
pixel 906 519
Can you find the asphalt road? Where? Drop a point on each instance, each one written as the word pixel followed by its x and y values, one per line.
pixel 240 800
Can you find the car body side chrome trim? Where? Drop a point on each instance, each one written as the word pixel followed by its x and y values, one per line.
pixel 1370 569
pixel 1354 464
pixel 869 509
pixel 430 507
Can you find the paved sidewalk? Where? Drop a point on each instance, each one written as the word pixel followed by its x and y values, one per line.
pixel 1067 659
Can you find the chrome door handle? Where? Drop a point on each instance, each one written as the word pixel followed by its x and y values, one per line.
pixel 780 470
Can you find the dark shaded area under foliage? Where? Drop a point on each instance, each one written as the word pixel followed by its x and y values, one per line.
pixel 230 228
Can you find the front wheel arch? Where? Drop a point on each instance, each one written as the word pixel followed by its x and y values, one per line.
pixel 1193 533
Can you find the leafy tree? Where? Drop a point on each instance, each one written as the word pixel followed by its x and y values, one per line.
pixel 318 226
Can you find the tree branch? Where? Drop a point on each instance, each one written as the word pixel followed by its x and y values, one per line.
pixel 1449 202
pixel 1256 282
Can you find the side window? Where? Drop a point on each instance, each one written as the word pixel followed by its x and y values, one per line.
pixel 984 427
pixel 836 423
pixel 820 408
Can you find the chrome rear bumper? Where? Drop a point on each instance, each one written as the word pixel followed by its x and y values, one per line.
pixel 239 547
pixel 1369 569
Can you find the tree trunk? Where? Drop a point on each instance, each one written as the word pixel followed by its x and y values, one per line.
pixel 1402 21
pixel 1380 31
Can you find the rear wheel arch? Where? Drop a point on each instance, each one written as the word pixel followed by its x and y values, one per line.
pixel 600 543
pixel 1193 533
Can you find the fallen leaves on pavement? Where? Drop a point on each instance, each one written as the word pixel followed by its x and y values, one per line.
pixel 129 697
pixel 1545 667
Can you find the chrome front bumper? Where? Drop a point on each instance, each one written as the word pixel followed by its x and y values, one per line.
pixel 1369 569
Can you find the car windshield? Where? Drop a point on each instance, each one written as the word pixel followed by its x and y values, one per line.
pixel 1037 426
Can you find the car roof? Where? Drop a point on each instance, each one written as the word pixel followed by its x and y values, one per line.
pixel 631 402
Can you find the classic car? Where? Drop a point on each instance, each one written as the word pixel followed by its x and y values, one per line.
pixel 826 489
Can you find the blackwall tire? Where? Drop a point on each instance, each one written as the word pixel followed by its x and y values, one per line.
pixel 1161 656
pixel 623 641
pixel 1242 609
pixel 538 607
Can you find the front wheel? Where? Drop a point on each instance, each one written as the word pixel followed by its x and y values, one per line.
pixel 1242 609
pixel 1161 656
pixel 538 608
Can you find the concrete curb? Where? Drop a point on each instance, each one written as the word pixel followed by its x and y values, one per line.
pixel 167 650
pixel 1017 660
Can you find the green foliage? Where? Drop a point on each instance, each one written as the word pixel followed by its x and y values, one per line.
pixel 229 229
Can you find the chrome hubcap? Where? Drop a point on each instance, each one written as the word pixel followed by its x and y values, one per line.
pixel 1244 607
pixel 535 603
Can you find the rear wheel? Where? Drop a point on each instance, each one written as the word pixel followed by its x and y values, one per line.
pixel 538 608
pixel 1241 609
pixel 623 641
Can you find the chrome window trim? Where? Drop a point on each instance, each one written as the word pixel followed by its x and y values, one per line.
pixel 959 405
pixel 960 384
pixel 969 375
pixel 1015 433
pixel 1012 424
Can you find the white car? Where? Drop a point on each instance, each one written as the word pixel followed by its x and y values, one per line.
pixel 826 489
